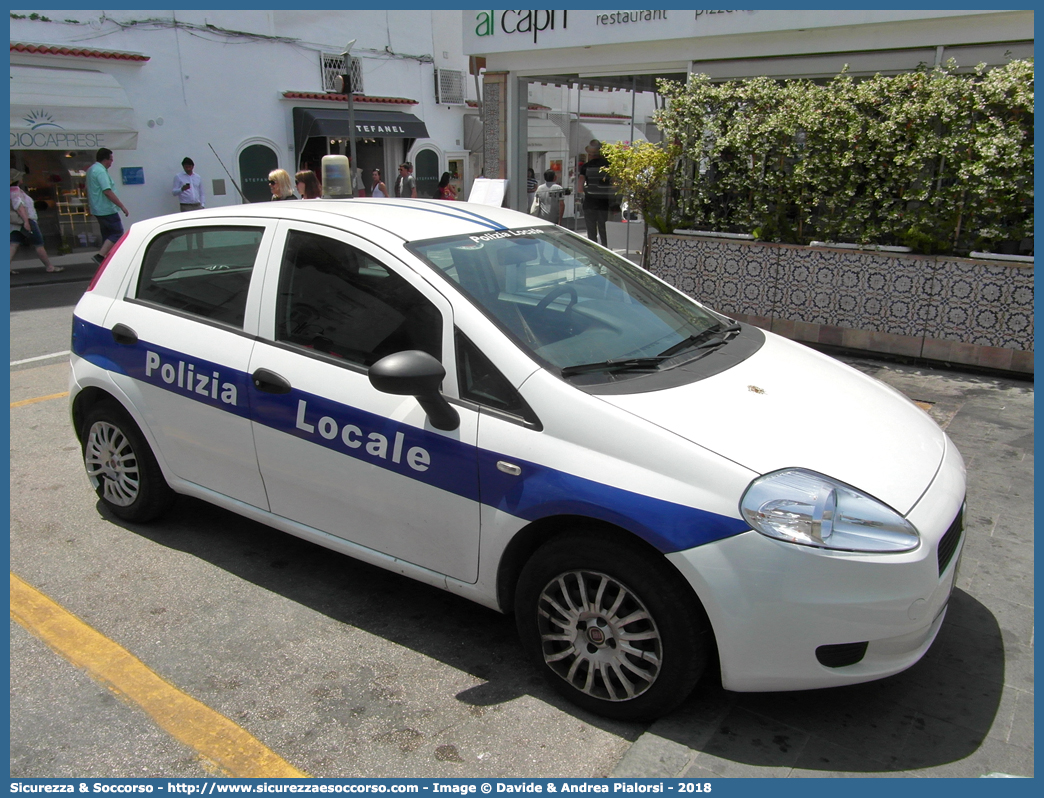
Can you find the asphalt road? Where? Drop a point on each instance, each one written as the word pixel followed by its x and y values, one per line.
pixel 346 670
pixel 41 313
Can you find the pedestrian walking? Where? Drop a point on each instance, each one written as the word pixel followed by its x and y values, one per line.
pixel 405 185
pixel 280 186
pixel 378 189
pixel 594 182
pixel 550 199
pixel 24 224
pixel 445 190
pixel 308 185
pixel 358 184
pixel 103 202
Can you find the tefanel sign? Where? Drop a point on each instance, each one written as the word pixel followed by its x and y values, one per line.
pixel 519 31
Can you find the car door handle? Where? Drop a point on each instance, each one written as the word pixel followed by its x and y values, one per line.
pixel 270 382
pixel 122 334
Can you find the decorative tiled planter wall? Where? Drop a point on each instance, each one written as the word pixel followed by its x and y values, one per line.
pixel 955 310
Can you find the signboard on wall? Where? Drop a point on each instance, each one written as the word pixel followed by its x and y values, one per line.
pixel 132 175
pixel 518 31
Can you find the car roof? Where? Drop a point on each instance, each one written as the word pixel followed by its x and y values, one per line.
pixel 409 219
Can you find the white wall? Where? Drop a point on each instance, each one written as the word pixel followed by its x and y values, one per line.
pixel 225 89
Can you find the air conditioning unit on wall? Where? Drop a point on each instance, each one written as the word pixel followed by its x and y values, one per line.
pixel 449 87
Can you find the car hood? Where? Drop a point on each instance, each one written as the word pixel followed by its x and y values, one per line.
pixel 789 406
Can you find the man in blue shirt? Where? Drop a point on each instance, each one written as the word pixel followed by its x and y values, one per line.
pixel 104 203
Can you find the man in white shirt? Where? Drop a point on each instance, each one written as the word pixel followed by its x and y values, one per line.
pixel 550 199
pixel 188 187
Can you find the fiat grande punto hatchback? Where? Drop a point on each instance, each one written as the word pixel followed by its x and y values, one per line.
pixel 503 409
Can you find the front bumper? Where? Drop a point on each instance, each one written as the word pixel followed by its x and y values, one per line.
pixel 773 604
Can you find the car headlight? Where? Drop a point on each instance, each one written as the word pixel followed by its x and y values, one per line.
pixel 809 509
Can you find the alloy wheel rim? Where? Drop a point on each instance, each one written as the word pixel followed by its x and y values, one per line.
pixel 598 636
pixel 112 464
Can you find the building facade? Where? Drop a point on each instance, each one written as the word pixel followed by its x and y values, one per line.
pixel 623 53
pixel 239 92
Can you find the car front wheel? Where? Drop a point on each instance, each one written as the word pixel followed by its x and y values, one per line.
pixel 616 629
pixel 121 466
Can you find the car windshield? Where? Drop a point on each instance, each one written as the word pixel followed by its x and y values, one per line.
pixel 579 309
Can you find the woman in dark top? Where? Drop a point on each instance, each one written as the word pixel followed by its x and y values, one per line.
pixel 308 185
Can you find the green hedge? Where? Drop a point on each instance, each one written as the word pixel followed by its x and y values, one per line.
pixel 934 160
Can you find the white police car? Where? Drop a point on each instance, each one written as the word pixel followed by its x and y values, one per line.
pixel 510 412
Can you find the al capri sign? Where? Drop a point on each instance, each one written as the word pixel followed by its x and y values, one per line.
pixel 488 32
pixel 508 23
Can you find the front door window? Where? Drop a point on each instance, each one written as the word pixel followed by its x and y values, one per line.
pixel 336 299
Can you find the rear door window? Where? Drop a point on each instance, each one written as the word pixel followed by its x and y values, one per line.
pixel 201 271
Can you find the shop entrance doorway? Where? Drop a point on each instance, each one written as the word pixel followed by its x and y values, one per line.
pixel 371 153
pixel 56 181
pixel 255 162
pixel 426 172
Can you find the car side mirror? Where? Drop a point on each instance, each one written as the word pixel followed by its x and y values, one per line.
pixel 418 374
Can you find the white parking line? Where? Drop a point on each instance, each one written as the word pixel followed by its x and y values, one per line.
pixel 40 357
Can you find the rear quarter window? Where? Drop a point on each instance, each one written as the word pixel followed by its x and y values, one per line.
pixel 202 271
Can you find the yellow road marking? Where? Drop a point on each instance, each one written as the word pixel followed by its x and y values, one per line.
pixel 36 399
pixel 191 722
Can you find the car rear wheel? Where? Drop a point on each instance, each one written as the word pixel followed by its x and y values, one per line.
pixel 616 629
pixel 121 466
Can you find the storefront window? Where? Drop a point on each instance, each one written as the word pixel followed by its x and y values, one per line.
pixel 55 181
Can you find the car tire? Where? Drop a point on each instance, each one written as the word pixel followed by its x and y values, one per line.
pixel 121 467
pixel 615 628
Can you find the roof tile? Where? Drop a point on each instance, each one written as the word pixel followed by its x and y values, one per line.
pixel 343 98
pixel 75 52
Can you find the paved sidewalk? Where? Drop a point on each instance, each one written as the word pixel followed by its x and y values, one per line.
pixel 965 710
pixel 77 267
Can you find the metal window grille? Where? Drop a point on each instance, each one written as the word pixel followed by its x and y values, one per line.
pixel 449 87
pixel 333 67
pixel 562 120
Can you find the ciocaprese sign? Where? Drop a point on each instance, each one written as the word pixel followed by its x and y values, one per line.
pixel 38 130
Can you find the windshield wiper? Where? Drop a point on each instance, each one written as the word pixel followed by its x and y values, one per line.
pixel 712 337
pixel 622 364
